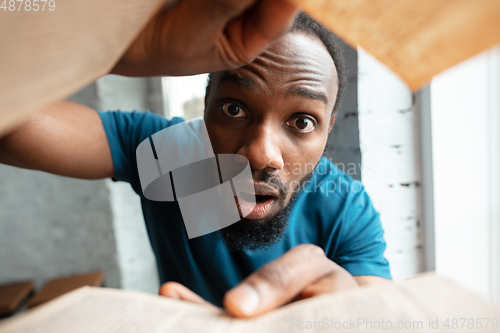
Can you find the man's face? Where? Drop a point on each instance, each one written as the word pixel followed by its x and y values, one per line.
pixel 277 113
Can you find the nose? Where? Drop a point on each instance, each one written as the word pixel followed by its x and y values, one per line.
pixel 262 149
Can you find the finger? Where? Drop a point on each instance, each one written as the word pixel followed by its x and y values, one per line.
pixel 339 279
pixel 225 9
pixel 214 13
pixel 201 20
pixel 264 23
pixel 178 291
pixel 278 282
pixel 255 23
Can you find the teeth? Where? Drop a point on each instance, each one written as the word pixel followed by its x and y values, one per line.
pixel 251 197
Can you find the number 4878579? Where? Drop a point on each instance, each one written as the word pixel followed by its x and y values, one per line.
pixel 28 5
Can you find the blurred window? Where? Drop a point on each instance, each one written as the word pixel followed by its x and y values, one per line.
pixel 184 96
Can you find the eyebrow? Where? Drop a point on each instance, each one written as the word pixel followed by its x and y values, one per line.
pixel 304 92
pixel 242 81
pixel 249 83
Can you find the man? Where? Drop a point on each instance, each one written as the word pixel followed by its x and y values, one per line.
pixel 316 230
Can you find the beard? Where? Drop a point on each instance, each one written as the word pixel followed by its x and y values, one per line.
pixel 262 234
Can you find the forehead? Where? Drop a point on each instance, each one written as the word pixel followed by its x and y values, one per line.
pixel 295 61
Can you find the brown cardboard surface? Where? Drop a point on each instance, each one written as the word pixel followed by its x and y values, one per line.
pixel 420 302
pixel 417 39
pixel 57 287
pixel 47 55
pixel 11 296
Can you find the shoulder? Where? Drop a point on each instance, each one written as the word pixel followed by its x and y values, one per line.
pixel 125 131
pixel 331 199
pixel 328 197
pixel 329 183
pixel 138 125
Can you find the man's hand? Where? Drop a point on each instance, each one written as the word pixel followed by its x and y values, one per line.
pixel 302 272
pixel 197 36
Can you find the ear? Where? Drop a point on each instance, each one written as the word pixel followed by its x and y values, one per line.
pixel 332 122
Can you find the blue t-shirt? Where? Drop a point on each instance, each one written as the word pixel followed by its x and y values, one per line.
pixel 332 211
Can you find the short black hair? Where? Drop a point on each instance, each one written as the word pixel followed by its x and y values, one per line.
pixel 305 24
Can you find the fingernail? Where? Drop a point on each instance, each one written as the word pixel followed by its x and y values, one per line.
pixel 245 298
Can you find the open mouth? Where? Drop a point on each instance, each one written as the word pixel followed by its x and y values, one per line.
pixel 250 197
pixel 254 211
pixel 263 198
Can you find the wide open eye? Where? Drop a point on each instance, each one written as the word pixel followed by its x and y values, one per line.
pixel 233 110
pixel 302 124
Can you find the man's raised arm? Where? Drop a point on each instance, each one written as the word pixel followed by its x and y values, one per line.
pixel 64 138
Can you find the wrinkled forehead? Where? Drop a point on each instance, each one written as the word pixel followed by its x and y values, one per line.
pixel 294 59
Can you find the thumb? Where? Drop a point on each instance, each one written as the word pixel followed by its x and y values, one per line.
pixel 178 291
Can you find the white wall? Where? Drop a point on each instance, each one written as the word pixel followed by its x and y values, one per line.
pixel 52 226
pixel 465 131
pixel 390 154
